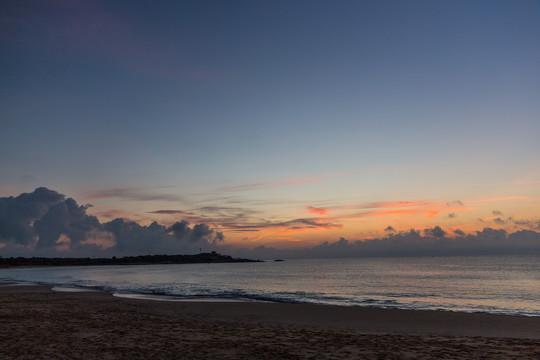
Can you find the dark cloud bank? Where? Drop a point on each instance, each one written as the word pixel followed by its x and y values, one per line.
pixel 45 223
pixel 429 242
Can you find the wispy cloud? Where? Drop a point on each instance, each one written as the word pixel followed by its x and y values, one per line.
pixel 280 227
pixel 308 179
pixel 139 194
pixel 242 219
pixel 232 214
pixel 316 211
pixel 267 185
pixel 171 212
pixel 382 209
pixel 498 199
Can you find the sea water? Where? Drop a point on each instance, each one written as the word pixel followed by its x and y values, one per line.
pixel 492 284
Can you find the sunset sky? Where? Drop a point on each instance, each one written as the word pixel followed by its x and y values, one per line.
pixel 278 123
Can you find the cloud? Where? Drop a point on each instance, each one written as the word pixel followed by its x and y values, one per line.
pixel 531 224
pixel 18 214
pixel 45 223
pixel 199 233
pixel 459 232
pixel 64 218
pixel 517 223
pixel 401 209
pixel 171 212
pixel 308 179
pixel 241 220
pixel 295 224
pixel 133 238
pixel 256 186
pixel 412 243
pixel 497 213
pixel 233 218
pixel 392 204
pixel 137 194
pixel 227 212
pixel 317 211
pixel 435 232
pixel 308 223
pixel 456 203
pixel 216 216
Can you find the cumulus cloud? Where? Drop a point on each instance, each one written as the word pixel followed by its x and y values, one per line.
pixel 521 224
pixel 497 213
pixel 44 222
pixel 67 218
pixel 390 229
pixel 435 232
pixel 18 214
pixel 199 233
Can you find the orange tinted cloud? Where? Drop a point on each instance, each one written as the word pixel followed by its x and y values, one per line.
pixel 395 204
pixel 262 236
pixel 400 209
pixel 432 214
pixel 317 211
pixel 286 238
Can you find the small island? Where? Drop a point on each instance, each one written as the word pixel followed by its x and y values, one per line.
pixel 211 257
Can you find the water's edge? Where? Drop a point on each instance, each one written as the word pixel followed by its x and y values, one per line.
pixel 492 285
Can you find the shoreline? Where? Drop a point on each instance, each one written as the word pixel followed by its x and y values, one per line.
pixel 41 323
pixel 202 298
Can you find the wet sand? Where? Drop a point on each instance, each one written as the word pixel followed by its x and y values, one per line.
pixel 38 323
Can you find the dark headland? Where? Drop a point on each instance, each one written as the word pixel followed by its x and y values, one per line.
pixel 211 257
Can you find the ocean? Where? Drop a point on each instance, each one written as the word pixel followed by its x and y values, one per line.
pixel 491 284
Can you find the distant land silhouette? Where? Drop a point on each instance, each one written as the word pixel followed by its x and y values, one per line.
pixel 212 257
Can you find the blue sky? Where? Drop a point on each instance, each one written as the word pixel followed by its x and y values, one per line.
pixel 266 108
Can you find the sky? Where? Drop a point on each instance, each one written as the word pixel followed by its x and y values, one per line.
pixel 269 127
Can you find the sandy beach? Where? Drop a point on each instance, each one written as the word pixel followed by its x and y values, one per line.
pixel 38 323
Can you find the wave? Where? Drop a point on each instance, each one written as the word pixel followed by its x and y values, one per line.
pixel 382 285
